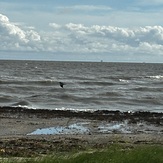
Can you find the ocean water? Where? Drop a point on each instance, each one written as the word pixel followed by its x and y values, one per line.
pixel 89 86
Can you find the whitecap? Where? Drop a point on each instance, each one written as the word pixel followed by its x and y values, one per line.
pixel 156 77
pixel 25 107
pixel 123 80
pixel 74 109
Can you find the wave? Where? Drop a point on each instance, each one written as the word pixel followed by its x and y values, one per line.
pixel 30 82
pixel 79 99
pixel 148 89
pixel 127 79
pixel 155 77
pixel 110 94
pixel 124 80
pixel 148 101
pixel 22 104
pixel 98 83
pixel 80 78
pixel 6 99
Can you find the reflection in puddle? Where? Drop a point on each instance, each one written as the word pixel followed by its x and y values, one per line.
pixel 101 128
pixel 116 128
pixel 76 128
pixel 126 128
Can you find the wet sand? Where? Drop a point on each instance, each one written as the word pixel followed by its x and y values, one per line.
pixel 103 128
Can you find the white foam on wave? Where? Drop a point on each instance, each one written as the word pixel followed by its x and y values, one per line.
pixel 123 80
pixel 75 110
pixel 25 107
pixel 156 77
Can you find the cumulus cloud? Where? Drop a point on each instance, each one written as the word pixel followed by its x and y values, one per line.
pixel 108 38
pixel 79 38
pixel 13 37
pixel 8 28
pixel 55 25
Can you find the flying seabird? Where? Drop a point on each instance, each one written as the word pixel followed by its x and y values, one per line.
pixel 61 84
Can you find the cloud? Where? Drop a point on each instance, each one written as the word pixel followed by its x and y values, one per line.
pixel 13 37
pixel 55 25
pixel 9 29
pixel 109 38
pixel 80 38
pixel 150 2
pixel 91 7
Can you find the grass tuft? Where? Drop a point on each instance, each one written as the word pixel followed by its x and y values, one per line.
pixel 112 154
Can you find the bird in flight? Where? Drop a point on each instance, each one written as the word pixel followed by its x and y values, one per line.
pixel 61 84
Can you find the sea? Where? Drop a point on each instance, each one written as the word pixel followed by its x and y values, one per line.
pixel 88 86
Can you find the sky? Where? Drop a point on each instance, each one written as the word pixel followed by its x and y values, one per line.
pixel 71 30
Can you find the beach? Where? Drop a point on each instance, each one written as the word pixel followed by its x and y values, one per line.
pixel 29 132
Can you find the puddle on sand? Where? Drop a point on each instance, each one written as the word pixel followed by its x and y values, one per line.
pixel 111 128
pixel 76 128
pixel 101 128
pixel 126 128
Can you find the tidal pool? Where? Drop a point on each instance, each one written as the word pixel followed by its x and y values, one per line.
pixel 76 128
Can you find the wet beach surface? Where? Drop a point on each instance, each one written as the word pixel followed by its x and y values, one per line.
pixel 132 117
pixel 29 132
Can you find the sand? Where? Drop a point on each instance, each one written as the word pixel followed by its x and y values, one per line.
pixel 20 130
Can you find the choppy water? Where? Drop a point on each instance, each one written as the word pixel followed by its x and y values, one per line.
pixel 88 86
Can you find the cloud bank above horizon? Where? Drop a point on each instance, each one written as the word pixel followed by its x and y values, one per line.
pixel 136 43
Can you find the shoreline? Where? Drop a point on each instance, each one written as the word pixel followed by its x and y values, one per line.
pixel 109 115
pixel 25 121
pixel 101 128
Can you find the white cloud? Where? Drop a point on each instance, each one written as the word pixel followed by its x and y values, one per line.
pixel 79 38
pixel 13 37
pixel 82 9
pixel 55 25
pixel 107 36
pixel 90 7
pixel 10 29
pixel 33 35
pixel 150 2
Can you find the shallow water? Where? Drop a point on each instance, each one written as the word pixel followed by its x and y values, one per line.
pixel 71 129
pixel 88 86
pixel 101 128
